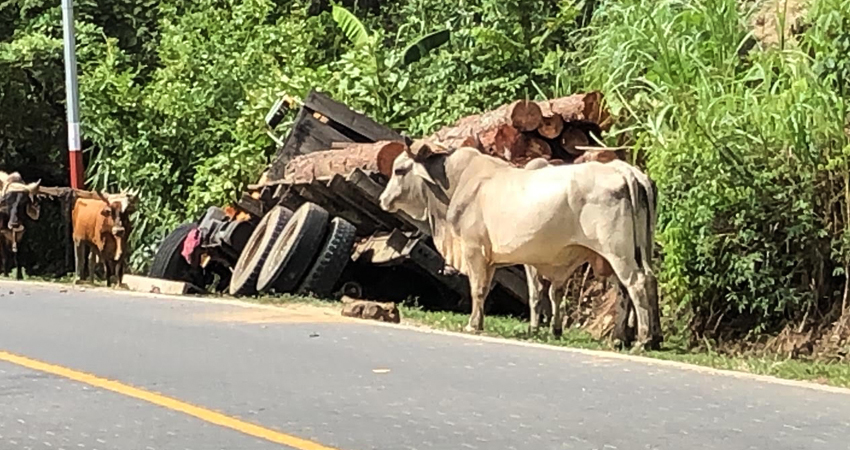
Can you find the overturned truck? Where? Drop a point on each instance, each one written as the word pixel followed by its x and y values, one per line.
pixel 313 224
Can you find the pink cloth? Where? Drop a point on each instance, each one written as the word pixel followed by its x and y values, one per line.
pixel 193 240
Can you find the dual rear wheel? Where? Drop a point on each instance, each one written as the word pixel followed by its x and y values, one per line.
pixel 302 252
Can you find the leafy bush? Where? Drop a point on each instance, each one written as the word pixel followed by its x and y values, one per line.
pixel 750 156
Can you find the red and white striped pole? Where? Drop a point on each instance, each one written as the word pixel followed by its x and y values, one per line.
pixel 73 98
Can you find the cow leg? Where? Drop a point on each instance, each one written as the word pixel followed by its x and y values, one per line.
pixel 654 309
pixel 556 295
pixel 480 277
pixel 4 263
pixel 20 260
pixel 94 255
pixel 108 268
pixel 558 287
pixel 534 292
pixel 119 272
pixel 18 275
pixel 544 308
pixel 538 299
pixel 79 260
pixel 91 264
pixel 635 282
pixel 623 332
pixel 15 250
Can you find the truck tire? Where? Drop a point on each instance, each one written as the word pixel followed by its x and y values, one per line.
pixel 168 262
pixel 294 250
pixel 333 257
pixel 256 251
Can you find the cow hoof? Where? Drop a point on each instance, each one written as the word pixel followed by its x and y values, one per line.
pixel 655 343
pixel 638 347
pixel 471 329
pixel 557 333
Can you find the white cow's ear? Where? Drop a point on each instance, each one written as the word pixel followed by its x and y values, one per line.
pixel 420 171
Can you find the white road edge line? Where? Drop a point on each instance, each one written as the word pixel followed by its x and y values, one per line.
pixel 488 339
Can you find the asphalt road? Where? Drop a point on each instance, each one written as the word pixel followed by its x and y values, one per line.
pixel 353 385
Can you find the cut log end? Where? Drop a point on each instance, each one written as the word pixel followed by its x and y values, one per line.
pixel 603 156
pixel 387 156
pixel 551 127
pixel 571 138
pixel 536 147
pixel 505 132
pixel 525 115
pixel 372 157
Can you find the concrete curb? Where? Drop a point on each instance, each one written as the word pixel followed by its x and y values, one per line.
pixel 602 354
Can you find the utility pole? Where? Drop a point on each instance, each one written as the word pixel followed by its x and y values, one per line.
pixel 73 97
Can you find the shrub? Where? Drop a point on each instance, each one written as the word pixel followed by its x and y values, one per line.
pixel 748 150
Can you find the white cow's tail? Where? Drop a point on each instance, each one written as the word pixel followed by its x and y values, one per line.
pixel 647 200
pixel 651 203
pixel 643 207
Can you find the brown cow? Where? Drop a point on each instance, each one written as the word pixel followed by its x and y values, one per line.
pixel 100 226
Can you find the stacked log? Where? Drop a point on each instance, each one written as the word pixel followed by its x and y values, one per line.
pixel 524 130
pixel 582 107
pixel 556 130
pixel 552 124
pixel 324 164
pixel 603 156
pixel 499 130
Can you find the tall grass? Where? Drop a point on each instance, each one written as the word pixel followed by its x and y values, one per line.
pixel 748 147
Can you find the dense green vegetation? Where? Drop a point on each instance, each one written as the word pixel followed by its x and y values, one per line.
pixel 748 142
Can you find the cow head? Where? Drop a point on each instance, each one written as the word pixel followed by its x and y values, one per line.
pixel 114 210
pixel 127 200
pixel 113 224
pixel 17 199
pixel 406 190
pixel 427 172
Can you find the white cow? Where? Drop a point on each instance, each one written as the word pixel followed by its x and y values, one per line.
pixel 601 268
pixel 485 214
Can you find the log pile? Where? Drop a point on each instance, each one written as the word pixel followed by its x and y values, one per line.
pixel 557 130
pixel 524 130
pixel 324 164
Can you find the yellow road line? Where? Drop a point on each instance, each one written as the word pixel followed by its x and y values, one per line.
pixel 166 402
